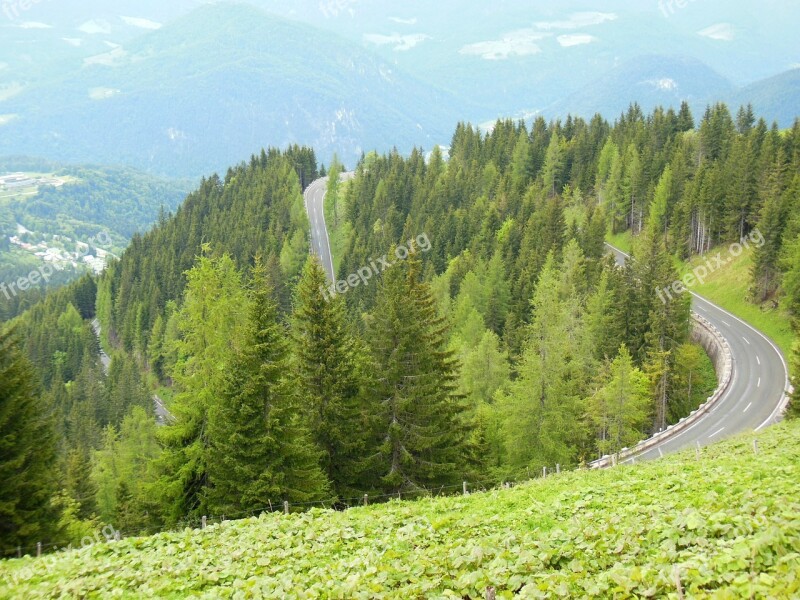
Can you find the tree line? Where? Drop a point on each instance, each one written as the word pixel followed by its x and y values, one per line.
pixel 515 342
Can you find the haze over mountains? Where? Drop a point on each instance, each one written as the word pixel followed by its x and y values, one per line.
pixel 184 88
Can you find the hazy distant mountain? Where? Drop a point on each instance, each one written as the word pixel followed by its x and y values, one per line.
pixel 649 80
pixel 215 86
pixel 160 87
pixel 777 98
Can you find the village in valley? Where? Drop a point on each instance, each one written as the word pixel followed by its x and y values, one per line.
pixel 59 251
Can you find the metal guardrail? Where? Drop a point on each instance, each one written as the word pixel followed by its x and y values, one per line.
pixel 724 377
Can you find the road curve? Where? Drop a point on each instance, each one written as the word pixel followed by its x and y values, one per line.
pixel 314 198
pixel 759 385
pixel 757 393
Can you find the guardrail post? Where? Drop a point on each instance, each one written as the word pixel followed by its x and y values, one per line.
pixel 38 549
pixel 366 499
pixel 755 446
pixel 203 522
pixel 558 468
pixel 286 507
pixel 465 488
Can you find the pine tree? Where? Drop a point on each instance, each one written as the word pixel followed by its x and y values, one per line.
pixel 540 408
pixel 259 449
pixel 27 452
pixel 553 165
pixel 605 316
pixel 212 319
pixel 619 408
pixel 665 318
pixel 78 481
pixel 485 369
pixel 766 257
pixel 421 430
pixel 329 385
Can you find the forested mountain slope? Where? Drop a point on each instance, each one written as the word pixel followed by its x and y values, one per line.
pixel 495 338
pixel 78 211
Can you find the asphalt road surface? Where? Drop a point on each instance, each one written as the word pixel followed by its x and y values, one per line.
pixel 754 398
pixel 759 371
pixel 314 197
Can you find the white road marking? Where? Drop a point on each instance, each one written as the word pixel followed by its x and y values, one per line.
pixel 720 430
pixel 746 408
pixel 660 453
pixel 746 340
pixel 758 359
pixel 726 323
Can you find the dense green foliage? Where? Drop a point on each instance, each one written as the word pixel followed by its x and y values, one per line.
pixel 27 451
pixel 98 409
pixel 500 339
pixel 724 526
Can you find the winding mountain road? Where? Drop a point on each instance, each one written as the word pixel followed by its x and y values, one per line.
pixel 758 389
pixel 314 197
pixel 759 385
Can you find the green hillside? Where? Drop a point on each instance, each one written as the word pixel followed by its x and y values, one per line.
pixel 725 526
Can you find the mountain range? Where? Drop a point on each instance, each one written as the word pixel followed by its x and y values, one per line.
pixel 182 90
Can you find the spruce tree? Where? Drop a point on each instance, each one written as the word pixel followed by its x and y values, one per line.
pixel 329 381
pixel 27 452
pixel 541 406
pixel 422 439
pixel 259 448
pixel 618 410
pixel 211 319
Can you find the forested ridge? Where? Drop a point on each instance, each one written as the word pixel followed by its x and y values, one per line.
pixel 513 343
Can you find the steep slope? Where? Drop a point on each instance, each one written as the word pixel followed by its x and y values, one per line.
pixel 215 86
pixel 724 526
